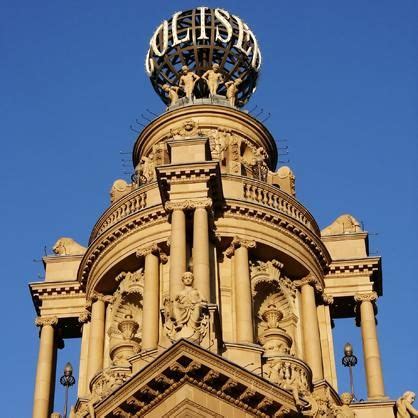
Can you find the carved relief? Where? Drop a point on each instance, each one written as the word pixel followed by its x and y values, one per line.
pixel 290 374
pixel 119 189
pixel 189 129
pixel 144 171
pixel 404 408
pixel 124 331
pixel 284 178
pixel 186 316
pixel 254 162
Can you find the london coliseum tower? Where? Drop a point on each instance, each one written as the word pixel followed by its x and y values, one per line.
pixel 207 289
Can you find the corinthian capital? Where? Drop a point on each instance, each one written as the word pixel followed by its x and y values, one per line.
pixel 309 280
pixel 239 242
pixel 95 296
pixel 365 297
pixel 84 317
pixel 327 299
pixel 152 249
pixel 40 321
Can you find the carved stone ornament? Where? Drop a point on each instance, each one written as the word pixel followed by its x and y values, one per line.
pixel 290 374
pixel 126 317
pixel 119 189
pixel 188 204
pixel 67 246
pixel 265 271
pixel 186 316
pixel 239 242
pixel 366 297
pixel 309 280
pixel 144 171
pixel 84 317
pixel 327 299
pixel 152 249
pixel 189 129
pixel 404 408
pixel 255 163
pixel 41 321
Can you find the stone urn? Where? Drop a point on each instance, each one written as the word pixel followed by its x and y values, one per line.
pixel 122 350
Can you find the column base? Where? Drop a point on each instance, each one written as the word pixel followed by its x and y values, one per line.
pixel 245 355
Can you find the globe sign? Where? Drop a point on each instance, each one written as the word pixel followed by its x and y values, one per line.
pixel 199 38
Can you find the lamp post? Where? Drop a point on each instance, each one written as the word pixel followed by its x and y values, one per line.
pixel 349 360
pixel 67 380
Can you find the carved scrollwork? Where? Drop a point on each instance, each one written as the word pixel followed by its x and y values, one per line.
pixel 365 297
pixel 239 242
pixel 108 380
pixel 310 280
pixel 41 321
pixel 188 204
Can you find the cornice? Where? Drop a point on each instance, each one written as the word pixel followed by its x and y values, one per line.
pixel 354 266
pixel 150 216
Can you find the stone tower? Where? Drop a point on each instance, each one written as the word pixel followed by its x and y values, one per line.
pixel 207 289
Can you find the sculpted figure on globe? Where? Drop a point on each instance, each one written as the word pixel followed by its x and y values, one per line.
pixel 213 78
pixel 188 81
pixel 172 93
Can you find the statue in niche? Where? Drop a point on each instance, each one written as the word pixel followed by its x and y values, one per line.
pixel 173 93
pixel 213 79
pixel 404 408
pixel 185 317
pixel 187 81
pixel 232 90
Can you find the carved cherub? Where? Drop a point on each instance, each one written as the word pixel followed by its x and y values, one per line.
pixel 188 81
pixel 232 90
pixel 172 93
pixel 404 408
pixel 213 78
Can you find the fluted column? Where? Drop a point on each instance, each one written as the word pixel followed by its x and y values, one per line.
pixel 310 326
pixel 151 309
pixel 371 352
pixel 97 333
pixel 242 289
pixel 44 371
pixel 201 264
pixel 84 319
pixel 177 247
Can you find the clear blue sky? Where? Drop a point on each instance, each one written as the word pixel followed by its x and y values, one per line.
pixel 339 78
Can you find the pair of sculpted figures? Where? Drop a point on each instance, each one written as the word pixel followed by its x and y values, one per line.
pixel 213 79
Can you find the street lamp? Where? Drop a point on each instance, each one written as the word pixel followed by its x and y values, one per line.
pixel 67 380
pixel 349 360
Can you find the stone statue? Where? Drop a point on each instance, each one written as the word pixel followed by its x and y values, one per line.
pixel 404 408
pixel 144 171
pixel 172 93
pixel 232 90
pixel 188 81
pixel 344 411
pixel 119 189
pixel 187 310
pixel 213 78
pixel 67 246
pixel 344 224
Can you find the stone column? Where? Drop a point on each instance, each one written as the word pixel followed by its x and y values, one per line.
pixel 106 347
pixel 84 319
pixel 44 370
pixel 97 333
pixel 201 264
pixel 151 302
pixel 242 289
pixel 177 246
pixel 310 326
pixel 371 352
